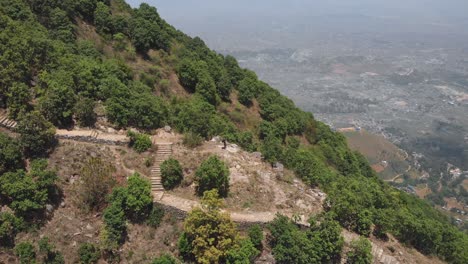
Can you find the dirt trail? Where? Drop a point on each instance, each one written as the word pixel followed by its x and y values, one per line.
pixel 187 205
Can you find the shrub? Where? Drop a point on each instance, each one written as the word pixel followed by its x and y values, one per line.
pixel 50 255
pixel 37 135
pixel 89 253
pixel 171 173
pixel 139 198
pixel 165 259
pixel 192 140
pixel 208 233
pixel 155 217
pixel 10 225
pixel 114 226
pixel 96 183
pixel 26 253
pixel 256 236
pixel 139 142
pixel 84 112
pixel 10 154
pixel 212 174
pixel 244 252
pixel 360 253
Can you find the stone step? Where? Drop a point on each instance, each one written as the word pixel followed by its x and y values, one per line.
pixel 3 119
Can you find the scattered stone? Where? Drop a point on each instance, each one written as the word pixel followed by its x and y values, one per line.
pixel 110 130
pixel 89 235
pixel 216 139
pixel 167 129
pixel 278 166
pixel 62 204
pixel 49 208
pixel 89 227
pixel 257 155
pixel 238 166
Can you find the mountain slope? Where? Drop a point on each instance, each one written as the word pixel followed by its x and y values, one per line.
pixel 101 63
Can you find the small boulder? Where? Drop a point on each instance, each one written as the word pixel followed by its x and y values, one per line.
pixel 49 208
pixel 278 166
pixel 216 139
pixel 167 129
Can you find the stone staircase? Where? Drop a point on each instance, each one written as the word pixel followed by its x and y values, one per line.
pixel 6 122
pixel 163 153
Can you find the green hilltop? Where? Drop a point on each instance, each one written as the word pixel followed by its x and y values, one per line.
pixel 60 60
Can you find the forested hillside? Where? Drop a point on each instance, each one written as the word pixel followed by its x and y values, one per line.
pixel 68 63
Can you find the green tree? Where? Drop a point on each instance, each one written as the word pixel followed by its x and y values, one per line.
pixel 25 193
pixel 26 253
pixel 84 112
pixel 155 216
pixel 206 87
pixel 165 259
pixel 37 135
pixel 139 199
pixel 10 225
pixel 96 183
pixel 50 254
pixel 171 173
pixel 243 253
pixel 256 236
pixel 139 142
pixel 19 96
pixel 115 226
pixel 60 25
pixel 210 233
pixel 10 154
pixel 103 18
pixel 360 252
pixel 88 253
pixel 57 105
pixel 212 174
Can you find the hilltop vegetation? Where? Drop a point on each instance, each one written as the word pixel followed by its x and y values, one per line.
pixel 60 59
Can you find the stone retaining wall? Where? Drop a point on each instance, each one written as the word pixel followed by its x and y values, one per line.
pixel 94 140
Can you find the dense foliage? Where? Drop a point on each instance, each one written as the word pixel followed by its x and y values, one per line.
pixel 139 142
pixel 210 236
pixel 212 174
pixel 50 75
pixel 360 252
pixel 171 173
pixel 321 243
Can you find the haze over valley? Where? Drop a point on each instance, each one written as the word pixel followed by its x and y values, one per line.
pixel 396 68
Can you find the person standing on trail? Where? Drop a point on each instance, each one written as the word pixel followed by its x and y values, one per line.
pixel 225 143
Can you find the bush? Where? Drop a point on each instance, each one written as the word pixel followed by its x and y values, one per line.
pixel 26 253
pixel 139 198
pixel 89 253
pixel 165 259
pixel 155 217
pixel 243 253
pixel 95 184
pixel 84 112
pixel 48 252
pixel 10 154
pixel 115 226
pixel 37 135
pixel 360 253
pixel 256 236
pixel 171 173
pixel 139 142
pixel 10 225
pixel 192 140
pixel 212 174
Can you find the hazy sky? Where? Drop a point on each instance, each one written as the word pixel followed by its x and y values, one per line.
pixel 223 22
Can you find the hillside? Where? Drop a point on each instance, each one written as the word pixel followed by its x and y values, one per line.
pixel 107 157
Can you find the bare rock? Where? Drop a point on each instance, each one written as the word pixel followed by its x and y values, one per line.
pixel 167 129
